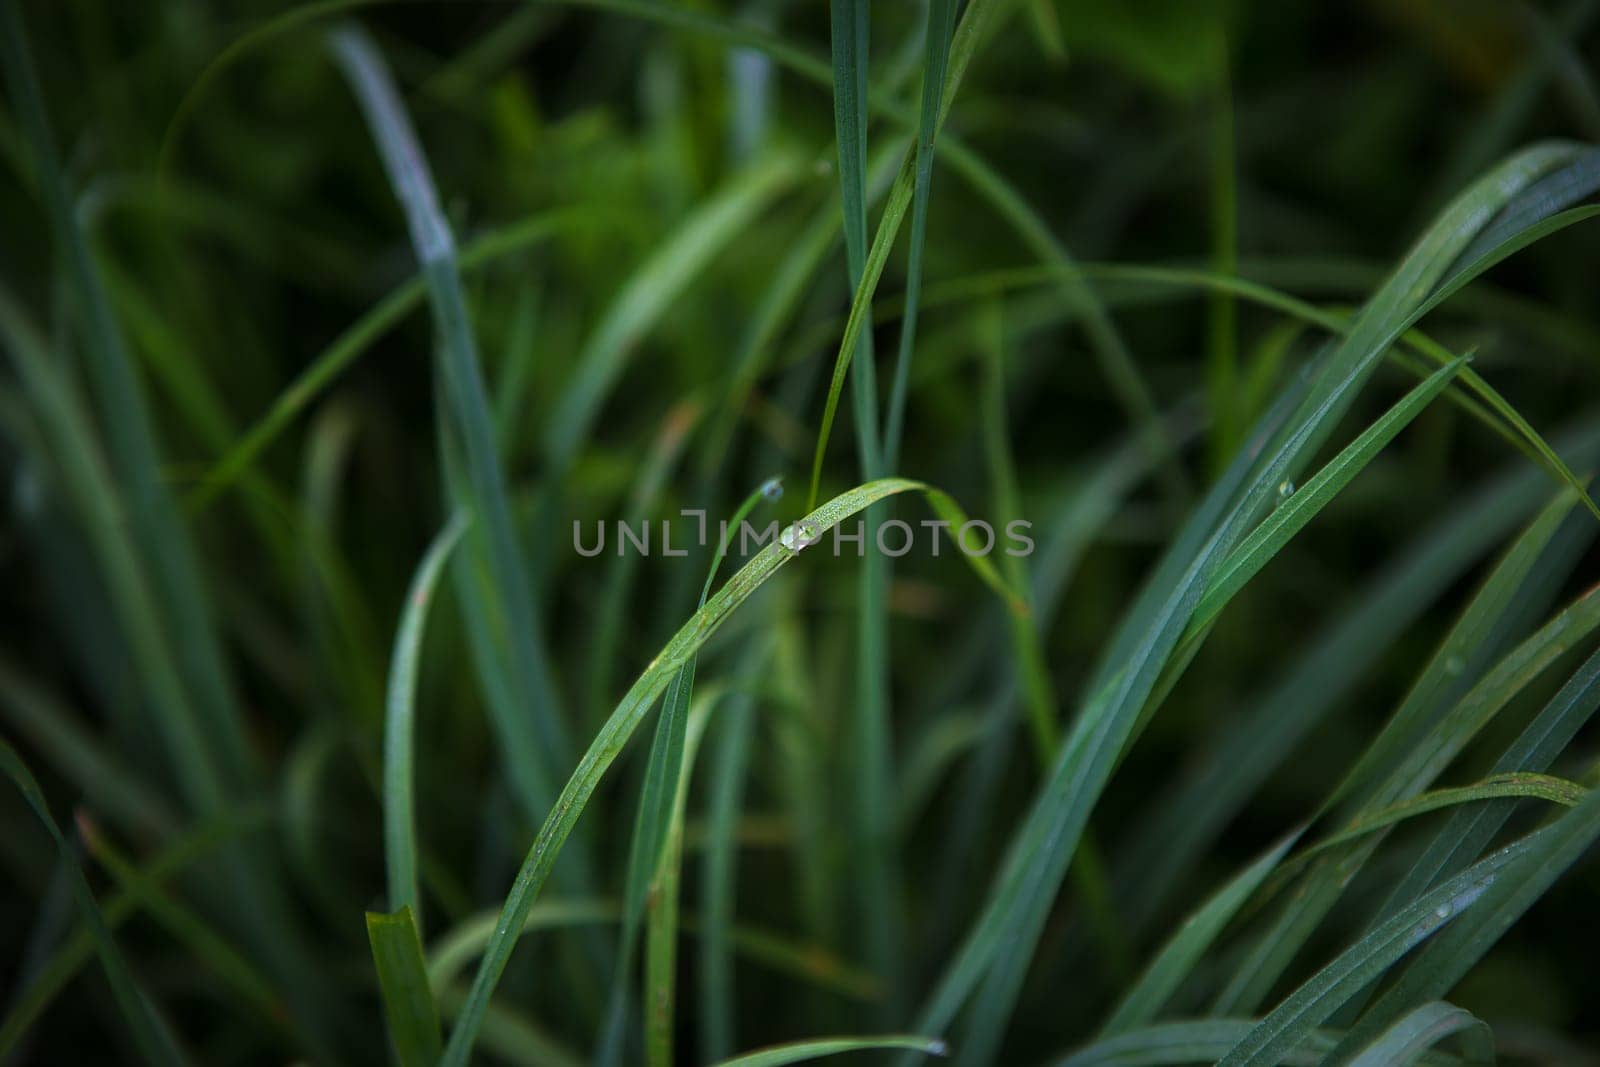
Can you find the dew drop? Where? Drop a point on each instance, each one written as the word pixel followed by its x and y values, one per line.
pixel 1442 911
pixel 1285 489
pixel 772 489
pixel 797 535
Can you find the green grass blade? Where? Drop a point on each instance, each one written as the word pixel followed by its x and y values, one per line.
pixel 1375 952
pixel 58 971
pixel 654 288
pixel 1442 964
pixel 1195 1041
pixel 941 27
pixel 1406 1041
pixel 155 1041
pixel 1177 958
pixel 817 1048
pixel 399 785
pixel 403 979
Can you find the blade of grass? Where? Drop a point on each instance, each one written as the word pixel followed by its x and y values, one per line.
pixel 1200 1041
pixel 399 786
pixel 354 342
pixel 940 29
pixel 1177 958
pixel 403 980
pixel 1406 1041
pixel 154 1039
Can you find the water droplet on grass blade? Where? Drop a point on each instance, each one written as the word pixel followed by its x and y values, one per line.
pixel 1285 490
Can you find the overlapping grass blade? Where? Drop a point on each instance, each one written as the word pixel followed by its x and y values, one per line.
pixel 659 820
pixel 817 1048
pixel 403 981
pixel 1199 1041
pixel 652 291
pixel 1426 1026
pixel 154 1039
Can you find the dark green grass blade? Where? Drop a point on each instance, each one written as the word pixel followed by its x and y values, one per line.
pixel 630 711
pixel 536 742
pixel 1177 958
pixel 1375 952
pixel 70 957
pixel 1302 505
pixel 403 980
pixel 399 784
pixel 817 1048
pixel 1442 964
pixel 1405 1042
pixel 941 25
pixel 730 761
pixel 150 1033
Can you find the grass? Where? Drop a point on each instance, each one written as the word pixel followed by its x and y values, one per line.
pixel 1275 747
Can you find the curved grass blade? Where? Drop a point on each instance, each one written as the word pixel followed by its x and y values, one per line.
pixel 1179 955
pixel 403 980
pixel 1406 1041
pixel 399 786
pixel 608 743
pixel 155 1041
pixel 817 1048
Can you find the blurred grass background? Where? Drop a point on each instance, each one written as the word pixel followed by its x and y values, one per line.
pixel 648 209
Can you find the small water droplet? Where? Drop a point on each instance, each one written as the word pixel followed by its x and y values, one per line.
pixel 798 535
pixel 1285 489
pixel 1442 911
pixel 772 489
